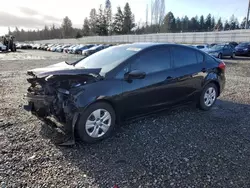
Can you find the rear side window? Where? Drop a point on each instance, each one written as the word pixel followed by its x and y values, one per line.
pixel 153 61
pixel 183 56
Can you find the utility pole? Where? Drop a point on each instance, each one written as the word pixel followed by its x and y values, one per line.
pixel 246 26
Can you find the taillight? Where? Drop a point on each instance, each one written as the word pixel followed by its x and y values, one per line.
pixel 222 65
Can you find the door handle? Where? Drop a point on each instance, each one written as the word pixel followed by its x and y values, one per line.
pixel 169 78
pixel 204 70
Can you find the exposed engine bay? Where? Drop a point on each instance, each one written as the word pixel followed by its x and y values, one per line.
pixel 55 95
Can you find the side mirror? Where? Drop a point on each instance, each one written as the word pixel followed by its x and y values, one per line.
pixel 135 74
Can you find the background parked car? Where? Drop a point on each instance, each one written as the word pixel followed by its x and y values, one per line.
pixel 243 49
pixel 66 50
pixel 203 47
pixel 2 47
pixel 85 47
pixel 222 50
pixel 93 50
pixel 233 44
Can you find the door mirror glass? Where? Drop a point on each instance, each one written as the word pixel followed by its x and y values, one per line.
pixel 135 74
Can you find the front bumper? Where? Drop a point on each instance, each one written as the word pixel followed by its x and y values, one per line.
pixel 40 105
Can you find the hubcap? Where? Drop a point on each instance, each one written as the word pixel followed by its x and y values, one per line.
pixel 210 96
pixel 98 123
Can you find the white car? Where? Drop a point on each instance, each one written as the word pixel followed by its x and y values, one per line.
pixel 202 47
pixel 2 47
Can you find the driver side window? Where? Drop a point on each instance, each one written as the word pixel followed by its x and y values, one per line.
pixel 155 60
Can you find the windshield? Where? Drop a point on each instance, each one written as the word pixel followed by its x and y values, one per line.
pixel 217 47
pixel 106 59
pixel 243 45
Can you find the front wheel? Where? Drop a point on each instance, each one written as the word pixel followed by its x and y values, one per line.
pixel 96 122
pixel 220 56
pixel 208 97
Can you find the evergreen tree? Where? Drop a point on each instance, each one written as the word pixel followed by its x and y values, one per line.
pixel 101 24
pixel 66 27
pixel 118 21
pixel 128 21
pixel 202 23
pixel 212 24
pixel 108 15
pixel 86 29
pixel 232 23
pixel 93 21
pixel 208 23
pixel 178 24
pixel 185 24
pixel 219 25
pixel 78 34
pixel 193 24
pixel 226 26
pixel 243 23
pixel 169 24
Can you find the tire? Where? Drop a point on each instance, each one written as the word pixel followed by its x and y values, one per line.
pixel 220 56
pixel 233 56
pixel 203 105
pixel 84 132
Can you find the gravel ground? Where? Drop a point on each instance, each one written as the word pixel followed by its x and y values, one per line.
pixel 183 147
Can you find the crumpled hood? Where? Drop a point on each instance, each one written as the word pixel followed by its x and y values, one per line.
pixel 61 69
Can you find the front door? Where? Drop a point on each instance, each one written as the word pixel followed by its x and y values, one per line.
pixel 146 95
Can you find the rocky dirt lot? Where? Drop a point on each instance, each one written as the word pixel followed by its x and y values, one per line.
pixel 184 147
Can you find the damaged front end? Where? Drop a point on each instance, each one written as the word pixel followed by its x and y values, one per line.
pixel 54 94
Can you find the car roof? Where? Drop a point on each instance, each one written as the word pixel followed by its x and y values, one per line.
pixel 145 45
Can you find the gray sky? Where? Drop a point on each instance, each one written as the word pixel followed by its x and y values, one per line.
pixel 32 14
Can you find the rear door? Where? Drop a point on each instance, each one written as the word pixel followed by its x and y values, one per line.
pixel 190 70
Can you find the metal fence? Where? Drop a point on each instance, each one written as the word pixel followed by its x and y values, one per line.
pixel 185 38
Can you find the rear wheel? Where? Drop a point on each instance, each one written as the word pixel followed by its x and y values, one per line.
pixel 208 97
pixel 96 122
pixel 233 56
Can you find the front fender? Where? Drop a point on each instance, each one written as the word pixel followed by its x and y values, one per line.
pixel 109 90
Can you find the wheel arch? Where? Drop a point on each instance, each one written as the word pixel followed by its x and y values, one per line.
pixel 215 82
pixel 111 103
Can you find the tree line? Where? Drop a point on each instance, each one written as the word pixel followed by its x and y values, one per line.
pixel 103 22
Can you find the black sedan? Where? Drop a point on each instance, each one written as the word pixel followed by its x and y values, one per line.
pixel 242 49
pixel 94 94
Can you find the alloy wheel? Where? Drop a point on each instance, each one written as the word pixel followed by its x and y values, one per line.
pixel 98 123
pixel 210 96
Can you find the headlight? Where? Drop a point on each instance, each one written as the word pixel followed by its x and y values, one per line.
pixel 246 49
